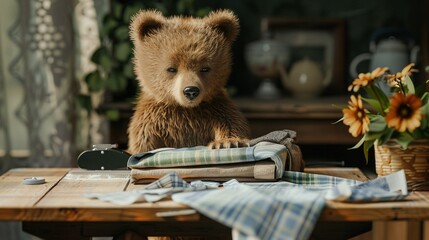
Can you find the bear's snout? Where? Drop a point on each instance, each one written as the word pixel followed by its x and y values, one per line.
pixel 191 92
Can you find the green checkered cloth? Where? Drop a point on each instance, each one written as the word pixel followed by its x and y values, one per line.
pixel 203 156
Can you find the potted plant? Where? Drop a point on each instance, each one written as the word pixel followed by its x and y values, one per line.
pixel 396 122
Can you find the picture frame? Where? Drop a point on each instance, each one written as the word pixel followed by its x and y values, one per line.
pixel 322 40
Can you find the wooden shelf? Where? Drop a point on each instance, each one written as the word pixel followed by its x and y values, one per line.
pixel 313 120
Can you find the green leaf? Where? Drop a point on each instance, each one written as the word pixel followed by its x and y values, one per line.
pixel 383 98
pixel 130 10
pixel 386 136
pixel 366 146
pixel 111 83
pixel 361 141
pixel 409 85
pixel 417 133
pixel 116 82
pixel 106 63
pixel 373 136
pixel 117 9
pixel 129 70
pixel 339 120
pixel 121 33
pixel 374 104
pixel 425 97
pixel 161 7
pixel 377 94
pixel 101 56
pixel 122 51
pixel 377 124
pixel 97 55
pixel 425 111
pixel 108 26
pixel 404 139
pixel 94 81
pixel 181 7
pixel 202 12
pixel 85 102
pixel 112 114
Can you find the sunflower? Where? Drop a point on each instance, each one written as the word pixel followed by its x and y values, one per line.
pixel 395 79
pixel 365 79
pixel 355 116
pixel 404 112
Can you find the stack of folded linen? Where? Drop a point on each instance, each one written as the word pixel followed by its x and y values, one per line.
pixel 264 160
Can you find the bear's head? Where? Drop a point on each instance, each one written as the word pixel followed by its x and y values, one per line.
pixel 183 60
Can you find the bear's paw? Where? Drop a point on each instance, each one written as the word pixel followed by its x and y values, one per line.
pixel 229 143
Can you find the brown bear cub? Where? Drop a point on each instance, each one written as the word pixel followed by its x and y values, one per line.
pixel 182 65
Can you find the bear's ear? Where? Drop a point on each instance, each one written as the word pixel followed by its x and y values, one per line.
pixel 225 22
pixel 145 23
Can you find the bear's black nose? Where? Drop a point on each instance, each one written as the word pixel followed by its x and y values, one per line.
pixel 191 92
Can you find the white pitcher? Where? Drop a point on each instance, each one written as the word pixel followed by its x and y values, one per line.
pixel 390 52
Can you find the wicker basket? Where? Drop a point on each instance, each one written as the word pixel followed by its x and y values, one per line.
pixel 390 158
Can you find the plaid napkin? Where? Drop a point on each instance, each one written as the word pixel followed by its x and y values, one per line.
pixel 389 188
pixel 201 155
pixel 166 186
pixel 287 209
pixel 284 213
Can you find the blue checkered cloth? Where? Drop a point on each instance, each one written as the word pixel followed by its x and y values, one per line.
pixel 287 209
pixel 281 213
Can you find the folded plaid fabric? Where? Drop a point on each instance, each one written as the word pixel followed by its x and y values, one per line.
pixel 285 137
pixel 255 171
pixel 200 156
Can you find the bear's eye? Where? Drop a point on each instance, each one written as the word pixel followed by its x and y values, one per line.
pixel 172 69
pixel 205 69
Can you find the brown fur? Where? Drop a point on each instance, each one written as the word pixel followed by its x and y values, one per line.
pixel 163 116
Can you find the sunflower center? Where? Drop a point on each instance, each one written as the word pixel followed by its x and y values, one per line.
pixel 405 111
pixel 360 114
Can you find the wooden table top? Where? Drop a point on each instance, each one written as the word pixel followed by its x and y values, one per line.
pixel 62 198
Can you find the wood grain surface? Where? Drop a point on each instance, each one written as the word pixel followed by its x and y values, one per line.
pixel 62 198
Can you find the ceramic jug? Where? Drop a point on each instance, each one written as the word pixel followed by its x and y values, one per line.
pixel 306 79
pixel 389 47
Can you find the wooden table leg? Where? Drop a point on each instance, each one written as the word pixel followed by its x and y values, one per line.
pixel 397 230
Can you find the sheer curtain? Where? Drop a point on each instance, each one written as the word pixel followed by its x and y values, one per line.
pixel 45 47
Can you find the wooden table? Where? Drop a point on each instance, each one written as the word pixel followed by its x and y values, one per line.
pixel 58 209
